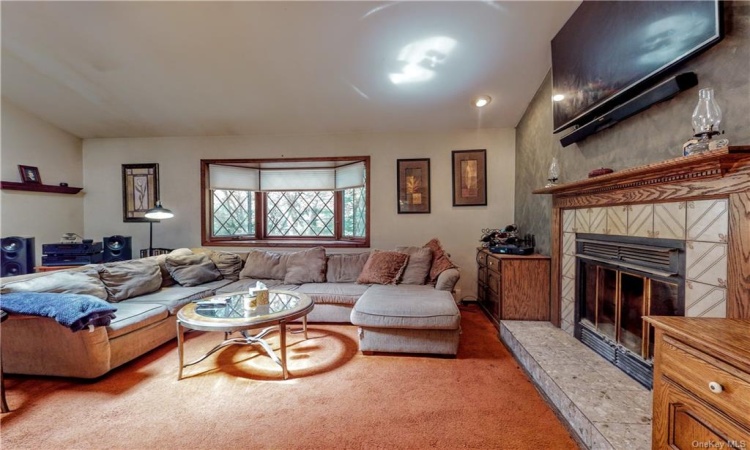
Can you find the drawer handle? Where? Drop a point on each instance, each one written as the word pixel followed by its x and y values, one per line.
pixel 715 387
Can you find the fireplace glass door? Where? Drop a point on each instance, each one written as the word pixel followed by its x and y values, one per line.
pixel 615 302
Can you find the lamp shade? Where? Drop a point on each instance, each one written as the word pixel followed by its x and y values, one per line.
pixel 159 212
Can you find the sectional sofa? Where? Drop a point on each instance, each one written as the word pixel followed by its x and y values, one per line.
pixel 401 301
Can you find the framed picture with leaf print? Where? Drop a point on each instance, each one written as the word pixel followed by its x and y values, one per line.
pixel 413 186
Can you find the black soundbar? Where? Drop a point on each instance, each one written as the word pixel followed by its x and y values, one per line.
pixel 657 94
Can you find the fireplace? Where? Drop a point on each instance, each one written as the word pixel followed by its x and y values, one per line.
pixel 620 280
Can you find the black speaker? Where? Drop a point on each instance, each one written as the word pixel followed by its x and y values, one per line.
pixel 17 256
pixel 117 248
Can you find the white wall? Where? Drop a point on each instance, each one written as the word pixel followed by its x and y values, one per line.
pixel 458 228
pixel 30 141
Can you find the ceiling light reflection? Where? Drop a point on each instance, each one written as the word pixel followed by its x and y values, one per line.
pixel 558 98
pixel 421 58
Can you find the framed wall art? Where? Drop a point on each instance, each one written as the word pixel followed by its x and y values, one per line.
pixel 30 174
pixel 413 186
pixel 140 190
pixel 469 177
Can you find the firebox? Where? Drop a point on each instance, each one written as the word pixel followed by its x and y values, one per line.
pixel 620 279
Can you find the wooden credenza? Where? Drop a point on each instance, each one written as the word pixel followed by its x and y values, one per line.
pixel 513 287
pixel 701 383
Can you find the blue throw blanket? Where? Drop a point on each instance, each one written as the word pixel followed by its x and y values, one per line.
pixel 76 311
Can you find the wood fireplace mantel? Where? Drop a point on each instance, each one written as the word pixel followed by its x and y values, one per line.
pixel 721 173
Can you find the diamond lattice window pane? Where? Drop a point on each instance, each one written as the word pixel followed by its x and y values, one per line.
pixel 233 213
pixel 302 213
pixel 355 207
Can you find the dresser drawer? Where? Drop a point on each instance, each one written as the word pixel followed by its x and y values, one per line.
pixel 697 372
pixel 493 264
pixel 494 282
pixel 481 258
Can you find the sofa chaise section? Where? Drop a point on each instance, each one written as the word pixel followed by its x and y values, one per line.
pixel 407 319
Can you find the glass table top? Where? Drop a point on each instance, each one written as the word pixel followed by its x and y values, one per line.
pixel 239 305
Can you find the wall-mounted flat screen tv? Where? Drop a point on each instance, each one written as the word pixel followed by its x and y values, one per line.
pixel 610 51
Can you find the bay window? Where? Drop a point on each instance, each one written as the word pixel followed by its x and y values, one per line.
pixel 290 202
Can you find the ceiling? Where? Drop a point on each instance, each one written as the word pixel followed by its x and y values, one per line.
pixel 146 69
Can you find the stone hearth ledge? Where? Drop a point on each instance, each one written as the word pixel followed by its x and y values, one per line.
pixel 605 407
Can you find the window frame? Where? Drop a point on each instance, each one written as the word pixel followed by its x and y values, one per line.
pixel 261 239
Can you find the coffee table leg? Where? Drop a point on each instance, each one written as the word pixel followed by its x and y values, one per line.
pixel 304 325
pixel 180 338
pixel 282 329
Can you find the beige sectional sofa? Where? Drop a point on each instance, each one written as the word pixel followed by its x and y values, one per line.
pixel 414 315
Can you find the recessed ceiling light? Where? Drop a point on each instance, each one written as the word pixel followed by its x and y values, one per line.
pixel 558 98
pixel 482 100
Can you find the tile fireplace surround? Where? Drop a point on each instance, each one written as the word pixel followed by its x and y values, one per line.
pixel 703 200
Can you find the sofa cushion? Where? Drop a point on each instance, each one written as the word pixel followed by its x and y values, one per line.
pixel 228 264
pixel 418 267
pixel 62 282
pixel 175 297
pixel 192 270
pixel 127 279
pixel 134 316
pixel 440 260
pixel 383 267
pixel 263 265
pixel 345 267
pixel 404 306
pixel 308 266
pixel 166 278
pixel 244 284
pixel 334 293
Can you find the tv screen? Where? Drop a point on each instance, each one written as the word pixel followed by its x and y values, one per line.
pixel 610 51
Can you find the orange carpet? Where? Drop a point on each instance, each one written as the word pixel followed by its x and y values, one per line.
pixel 335 398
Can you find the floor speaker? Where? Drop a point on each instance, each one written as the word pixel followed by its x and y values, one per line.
pixel 17 256
pixel 117 248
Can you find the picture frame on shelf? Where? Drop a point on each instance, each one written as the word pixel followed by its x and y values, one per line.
pixel 140 190
pixel 413 186
pixel 469 177
pixel 30 174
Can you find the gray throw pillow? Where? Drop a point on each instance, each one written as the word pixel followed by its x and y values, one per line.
pixel 308 266
pixel 419 264
pixel 192 270
pixel 126 279
pixel 345 267
pixel 263 265
pixel 228 264
pixel 166 278
pixel 63 282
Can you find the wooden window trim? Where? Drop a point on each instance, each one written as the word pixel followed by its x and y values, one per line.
pixel 260 207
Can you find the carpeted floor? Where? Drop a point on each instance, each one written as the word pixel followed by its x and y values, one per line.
pixel 335 398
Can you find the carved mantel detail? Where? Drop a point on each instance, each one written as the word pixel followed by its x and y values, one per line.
pixel 722 173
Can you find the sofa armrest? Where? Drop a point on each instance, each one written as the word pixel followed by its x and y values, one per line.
pixel 447 280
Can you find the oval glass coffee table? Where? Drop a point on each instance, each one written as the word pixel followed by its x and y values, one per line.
pixel 231 313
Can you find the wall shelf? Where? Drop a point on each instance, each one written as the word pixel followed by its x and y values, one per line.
pixel 14 186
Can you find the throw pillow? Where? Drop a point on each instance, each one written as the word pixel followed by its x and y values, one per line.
pixel 126 279
pixel 263 265
pixel 440 260
pixel 166 278
pixel 418 267
pixel 63 282
pixel 383 268
pixel 228 264
pixel 345 267
pixel 308 266
pixel 192 270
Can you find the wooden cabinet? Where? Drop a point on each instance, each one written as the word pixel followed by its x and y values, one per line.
pixel 513 287
pixel 701 383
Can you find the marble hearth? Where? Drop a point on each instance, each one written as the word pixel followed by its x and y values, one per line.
pixel 605 408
